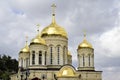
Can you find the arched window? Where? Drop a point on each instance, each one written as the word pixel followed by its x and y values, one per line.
pixel 45 57
pixel 58 54
pixel 51 55
pixel 83 60
pixel 26 62
pixel 40 57
pixel 21 62
pixel 79 59
pixel 89 59
pixel 33 57
pixel 64 54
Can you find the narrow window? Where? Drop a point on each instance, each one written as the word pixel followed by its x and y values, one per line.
pixel 21 62
pixel 64 51
pixel 27 62
pixel 45 57
pixel 51 54
pixel 79 59
pixel 29 59
pixel 89 59
pixel 58 51
pixel 33 57
pixel 83 60
pixel 40 57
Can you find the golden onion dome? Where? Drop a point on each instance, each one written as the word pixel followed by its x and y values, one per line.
pixel 68 72
pixel 85 43
pixel 54 28
pixel 38 40
pixel 25 49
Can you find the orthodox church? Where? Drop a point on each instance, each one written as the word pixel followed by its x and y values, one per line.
pixel 47 57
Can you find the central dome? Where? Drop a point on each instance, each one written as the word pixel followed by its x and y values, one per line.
pixel 54 29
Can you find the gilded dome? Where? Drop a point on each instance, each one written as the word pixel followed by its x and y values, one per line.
pixel 85 44
pixel 38 40
pixel 54 29
pixel 25 49
pixel 68 72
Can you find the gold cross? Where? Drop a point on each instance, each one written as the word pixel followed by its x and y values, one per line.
pixel 84 33
pixel 53 8
pixel 26 39
pixel 38 26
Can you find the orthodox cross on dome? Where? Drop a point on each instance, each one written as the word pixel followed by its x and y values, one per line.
pixel 53 9
pixel 26 39
pixel 84 33
pixel 38 26
pixel 53 13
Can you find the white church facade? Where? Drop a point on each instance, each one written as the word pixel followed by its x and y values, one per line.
pixel 47 57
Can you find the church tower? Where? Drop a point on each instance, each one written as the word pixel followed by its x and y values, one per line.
pixel 85 55
pixel 38 52
pixel 24 56
pixel 57 42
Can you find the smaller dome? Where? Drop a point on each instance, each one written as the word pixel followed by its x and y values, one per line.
pixel 85 43
pixel 68 72
pixel 25 49
pixel 38 40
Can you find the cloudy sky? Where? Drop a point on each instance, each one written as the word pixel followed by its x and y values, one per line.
pixel 100 19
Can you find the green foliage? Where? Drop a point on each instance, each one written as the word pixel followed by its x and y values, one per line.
pixel 7 67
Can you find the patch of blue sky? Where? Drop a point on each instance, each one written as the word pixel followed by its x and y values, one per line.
pixel 17 11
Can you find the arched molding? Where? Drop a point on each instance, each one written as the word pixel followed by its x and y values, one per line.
pixel 51 45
